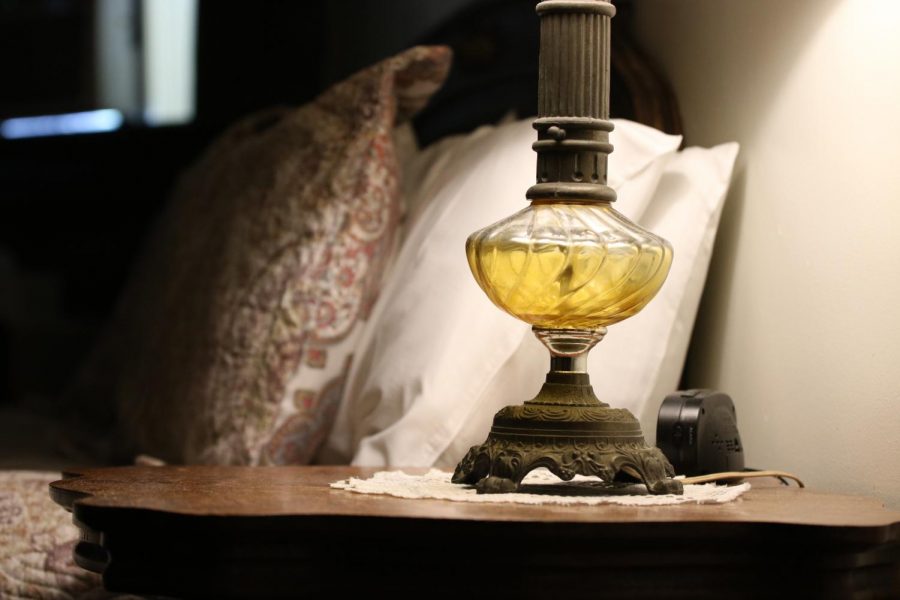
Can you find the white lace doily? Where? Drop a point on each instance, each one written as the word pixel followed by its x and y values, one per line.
pixel 540 487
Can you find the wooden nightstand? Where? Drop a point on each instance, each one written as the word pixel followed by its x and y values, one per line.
pixel 281 531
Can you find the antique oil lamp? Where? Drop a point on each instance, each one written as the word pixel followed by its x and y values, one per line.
pixel 569 265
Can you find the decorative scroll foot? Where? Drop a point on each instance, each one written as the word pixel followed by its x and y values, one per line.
pixel 496 485
pixel 666 486
pixel 650 466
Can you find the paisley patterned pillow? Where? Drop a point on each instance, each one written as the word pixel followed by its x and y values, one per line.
pixel 233 340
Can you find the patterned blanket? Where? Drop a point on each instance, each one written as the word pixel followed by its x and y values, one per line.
pixel 36 542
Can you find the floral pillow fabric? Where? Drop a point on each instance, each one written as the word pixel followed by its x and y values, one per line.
pixel 36 542
pixel 232 341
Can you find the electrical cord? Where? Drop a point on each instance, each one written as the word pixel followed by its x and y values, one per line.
pixel 730 475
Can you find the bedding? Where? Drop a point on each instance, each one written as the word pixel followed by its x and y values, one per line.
pixel 234 337
pixel 36 543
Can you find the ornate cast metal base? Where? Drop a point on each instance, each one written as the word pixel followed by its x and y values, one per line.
pixel 570 432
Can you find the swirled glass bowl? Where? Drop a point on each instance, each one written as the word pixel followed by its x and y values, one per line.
pixel 569 265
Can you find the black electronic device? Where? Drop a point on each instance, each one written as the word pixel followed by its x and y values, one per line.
pixel 697 431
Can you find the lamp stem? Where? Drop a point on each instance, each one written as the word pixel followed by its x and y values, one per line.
pixel 569 364
pixel 573 102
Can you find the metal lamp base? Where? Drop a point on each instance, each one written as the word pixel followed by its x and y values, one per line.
pixel 567 430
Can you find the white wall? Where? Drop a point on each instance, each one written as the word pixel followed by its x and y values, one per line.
pixel 801 317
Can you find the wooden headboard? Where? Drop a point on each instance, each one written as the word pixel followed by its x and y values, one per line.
pixel 495 71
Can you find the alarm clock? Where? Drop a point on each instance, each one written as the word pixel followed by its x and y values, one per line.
pixel 697 431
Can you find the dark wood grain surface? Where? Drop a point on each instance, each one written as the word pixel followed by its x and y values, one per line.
pixel 276 531
pixel 270 491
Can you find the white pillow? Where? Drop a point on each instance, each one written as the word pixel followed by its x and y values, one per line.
pixel 640 360
pixel 435 343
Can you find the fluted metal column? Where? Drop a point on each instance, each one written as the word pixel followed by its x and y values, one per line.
pixel 573 102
